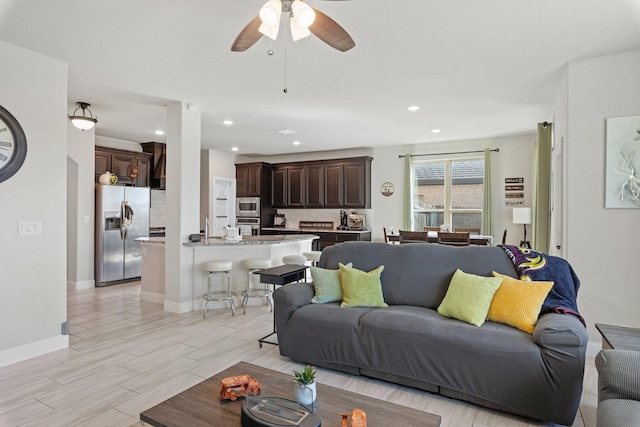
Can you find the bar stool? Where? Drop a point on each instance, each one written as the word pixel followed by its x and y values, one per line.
pixel 252 265
pixel 313 256
pixel 294 259
pixel 217 267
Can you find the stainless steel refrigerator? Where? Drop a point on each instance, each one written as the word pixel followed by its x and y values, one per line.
pixel 122 215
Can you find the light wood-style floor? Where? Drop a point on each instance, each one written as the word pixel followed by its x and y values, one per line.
pixel 126 356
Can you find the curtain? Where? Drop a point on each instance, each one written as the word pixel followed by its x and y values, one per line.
pixel 408 199
pixel 487 217
pixel 541 212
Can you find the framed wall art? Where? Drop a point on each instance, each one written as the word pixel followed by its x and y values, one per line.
pixel 622 162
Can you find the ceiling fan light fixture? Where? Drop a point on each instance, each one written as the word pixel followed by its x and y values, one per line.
pixel 298 32
pixel 303 14
pixel 270 12
pixel 270 31
pixel 83 122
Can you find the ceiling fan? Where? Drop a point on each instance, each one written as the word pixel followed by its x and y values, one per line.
pixel 303 20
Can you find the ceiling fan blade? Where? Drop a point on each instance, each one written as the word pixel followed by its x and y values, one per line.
pixel 248 36
pixel 330 32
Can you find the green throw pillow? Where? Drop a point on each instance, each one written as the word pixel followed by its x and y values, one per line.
pixel 361 289
pixel 469 297
pixel 327 285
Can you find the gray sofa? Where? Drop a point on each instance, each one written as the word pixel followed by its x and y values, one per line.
pixel 618 388
pixel 536 375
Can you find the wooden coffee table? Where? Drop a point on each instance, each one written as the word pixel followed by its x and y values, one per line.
pixel 201 404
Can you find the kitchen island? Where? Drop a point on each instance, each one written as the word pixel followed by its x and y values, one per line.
pixel 272 247
pixel 326 237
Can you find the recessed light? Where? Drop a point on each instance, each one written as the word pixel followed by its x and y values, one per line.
pixel 159 132
pixel 413 108
pixel 234 148
pixel 286 131
pixel 296 142
pixel 227 122
pixel 435 130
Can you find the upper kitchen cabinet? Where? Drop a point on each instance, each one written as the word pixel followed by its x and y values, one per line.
pixel 131 167
pixel 158 163
pixel 357 183
pixel 253 179
pixel 288 186
pixel 323 184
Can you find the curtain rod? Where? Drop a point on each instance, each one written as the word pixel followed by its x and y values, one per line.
pixel 456 152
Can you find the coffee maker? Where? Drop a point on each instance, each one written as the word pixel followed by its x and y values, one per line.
pixel 344 221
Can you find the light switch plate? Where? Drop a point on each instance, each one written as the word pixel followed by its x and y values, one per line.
pixel 29 228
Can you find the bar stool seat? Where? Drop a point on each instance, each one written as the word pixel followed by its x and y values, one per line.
pixel 264 291
pixel 216 267
pixel 313 256
pixel 294 259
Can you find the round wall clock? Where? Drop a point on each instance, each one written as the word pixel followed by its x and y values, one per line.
pixel 13 145
pixel 387 189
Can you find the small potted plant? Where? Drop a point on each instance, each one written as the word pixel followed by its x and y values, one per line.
pixel 305 387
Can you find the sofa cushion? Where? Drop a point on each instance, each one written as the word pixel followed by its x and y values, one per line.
pixel 618 413
pixel 469 297
pixel 360 288
pixel 517 303
pixel 326 284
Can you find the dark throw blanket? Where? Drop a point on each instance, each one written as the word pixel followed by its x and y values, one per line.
pixel 536 266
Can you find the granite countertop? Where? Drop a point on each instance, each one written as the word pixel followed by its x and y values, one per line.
pixel 253 240
pixel 319 230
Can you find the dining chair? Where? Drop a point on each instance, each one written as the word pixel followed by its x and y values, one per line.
pixel 470 230
pixel 432 229
pixel 413 236
pixel 454 239
pixel 388 238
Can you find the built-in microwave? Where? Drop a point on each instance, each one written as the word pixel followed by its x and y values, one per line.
pixel 248 207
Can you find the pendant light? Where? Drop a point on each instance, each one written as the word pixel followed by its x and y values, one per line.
pixel 83 122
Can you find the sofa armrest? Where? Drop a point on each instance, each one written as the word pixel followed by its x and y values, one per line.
pixel 288 298
pixel 618 374
pixel 562 333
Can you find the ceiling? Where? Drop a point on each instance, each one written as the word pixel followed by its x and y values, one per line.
pixel 477 68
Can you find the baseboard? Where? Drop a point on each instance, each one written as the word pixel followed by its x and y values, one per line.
pixel 593 347
pixel 152 297
pixel 82 284
pixel 177 307
pixel 34 349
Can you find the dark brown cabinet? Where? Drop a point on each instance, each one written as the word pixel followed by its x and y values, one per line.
pixel 323 184
pixel 315 186
pixel 124 164
pixel 157 164
pixel 357 184
pixel 251 179
pixel 288 186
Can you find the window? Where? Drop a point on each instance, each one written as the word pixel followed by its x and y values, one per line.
pixel 448 192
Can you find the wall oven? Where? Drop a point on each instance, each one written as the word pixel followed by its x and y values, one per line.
pixel 248 207
pixel 248 226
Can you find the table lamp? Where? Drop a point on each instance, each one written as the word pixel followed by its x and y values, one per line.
pixel 523 216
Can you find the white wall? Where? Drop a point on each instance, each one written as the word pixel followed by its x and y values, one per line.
pixel 33 279
pixel 602 243
pixel 80 207
pixel 213 164
pixel 120 144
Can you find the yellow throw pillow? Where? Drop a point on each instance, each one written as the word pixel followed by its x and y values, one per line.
pixel 361 289
pixel 517 303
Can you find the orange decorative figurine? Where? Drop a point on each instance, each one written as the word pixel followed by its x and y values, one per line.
pixel 239 386
pixel 358 418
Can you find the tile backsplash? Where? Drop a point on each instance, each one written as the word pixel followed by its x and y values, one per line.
pixel 157 212
pixel 294 216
